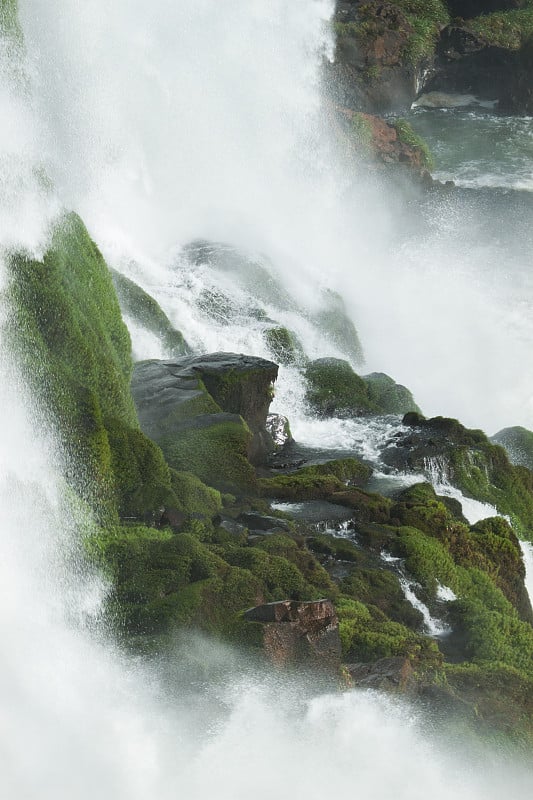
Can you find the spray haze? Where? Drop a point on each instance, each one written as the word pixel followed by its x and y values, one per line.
pixel 162 122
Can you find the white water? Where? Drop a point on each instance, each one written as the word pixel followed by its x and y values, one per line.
pixel 474 510
pixel 527 555
pixel 166 121
pixel 113 105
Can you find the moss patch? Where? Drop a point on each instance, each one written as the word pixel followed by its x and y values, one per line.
pixel 142 308
pixel 75 350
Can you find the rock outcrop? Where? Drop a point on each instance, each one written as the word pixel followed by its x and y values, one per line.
pixel 208 413
pixel 299 632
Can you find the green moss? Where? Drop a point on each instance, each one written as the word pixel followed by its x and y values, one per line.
pixel 136 303
pixel 316 481
pixel 508 29
pixel 381 589
pixel 390 397
pixel 194 497
pixel 426 18
pixel 366 635
pixel 408 135
pixel 9 22
pixel 333 388
pixel 284 346
pixel 74 350
pixel 215 449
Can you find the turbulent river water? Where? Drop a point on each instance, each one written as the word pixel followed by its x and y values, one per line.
pixel 161 123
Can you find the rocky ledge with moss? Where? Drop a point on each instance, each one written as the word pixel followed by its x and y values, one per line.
pixel 389 53
pixel 191 536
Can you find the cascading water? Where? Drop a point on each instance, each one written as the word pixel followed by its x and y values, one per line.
pixel 160 122
pixel 169 122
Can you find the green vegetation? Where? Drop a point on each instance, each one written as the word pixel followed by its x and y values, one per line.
pixel 367 634
pixel 427 18
pixel 333 388
pixel 75 354
pixel 214 447
pixel 407 135
pixel 508 29
pixel 284 346
pixel 424 19
pixel 144 310
pixel 317 481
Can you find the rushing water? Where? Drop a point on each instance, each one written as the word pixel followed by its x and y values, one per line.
pixel 164 122
pixel 161 122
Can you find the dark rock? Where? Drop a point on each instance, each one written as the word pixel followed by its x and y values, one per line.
pixel 370 70
pixel 394 674
pixel 299 632
pixel 260 522
pixel 170 394
pixel 278 428
pixel 172 518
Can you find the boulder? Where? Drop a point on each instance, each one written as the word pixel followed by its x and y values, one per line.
pixel 517 443
pixel 299 632
pixel 201 392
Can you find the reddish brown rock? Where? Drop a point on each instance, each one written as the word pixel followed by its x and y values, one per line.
pixel 295 632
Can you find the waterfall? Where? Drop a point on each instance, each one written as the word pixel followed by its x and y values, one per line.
pixel 166 122
pixel 527 555
pixel 160 122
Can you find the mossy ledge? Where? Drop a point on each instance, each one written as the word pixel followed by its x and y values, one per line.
pixel 75 353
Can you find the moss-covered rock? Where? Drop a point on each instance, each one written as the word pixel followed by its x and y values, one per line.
pixel 468 460
pixel 316 481
pixel 367 635
pixel 382 49
pixel 334 389
pixel 336 327
pixel 517 443
pixel 284 346
pixel 175 397
pixel 148 314
pixel 74 350
pixel 390 397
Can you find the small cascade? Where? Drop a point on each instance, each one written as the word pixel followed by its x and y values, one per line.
pixel 436 469
pixel 433 625
pixel 527 555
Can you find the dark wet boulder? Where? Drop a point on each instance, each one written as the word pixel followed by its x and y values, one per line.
pixel 192 404
pixel 299 631
pixel 279 429
pixel 334 389
pixel 284 345
pixel 517 443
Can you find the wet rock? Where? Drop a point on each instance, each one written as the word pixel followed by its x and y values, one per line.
pixel 370 68
pixel 279 429
pixel 172 396
pixel 517 443
pixel 299 632
pixel 394 674
pixel 263 523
